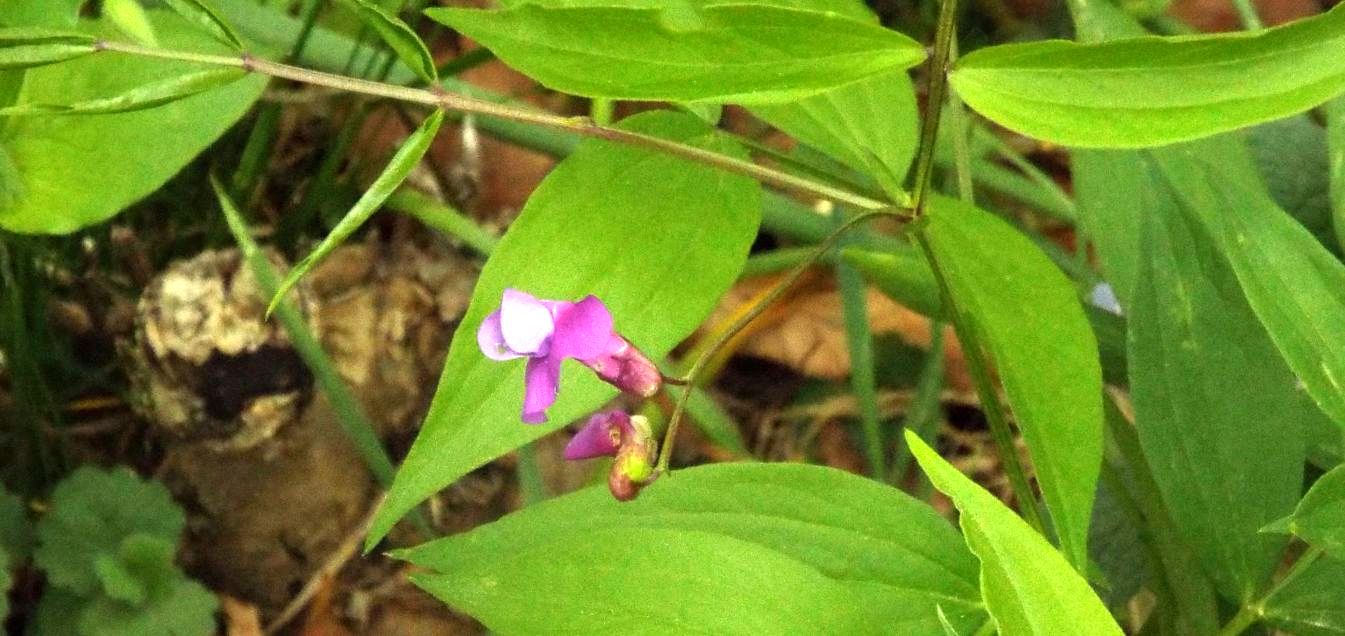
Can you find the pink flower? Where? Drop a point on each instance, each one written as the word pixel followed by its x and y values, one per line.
pixel 629 440
pixel 548 331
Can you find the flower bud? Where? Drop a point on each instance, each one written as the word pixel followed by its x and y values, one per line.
pixel 632 471
pixel 627 368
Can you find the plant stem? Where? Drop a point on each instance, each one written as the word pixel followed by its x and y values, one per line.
pixel 665 453
pixel 977 364
pixel 582 126
pixel 1247 13
pixel 938 85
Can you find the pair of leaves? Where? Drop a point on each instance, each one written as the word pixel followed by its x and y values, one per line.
pixel 121 157
pixel 727 548
pixel 1028 587
pixel 688 51
pixel 1027 314
pixel 622 223
pixel 1151 91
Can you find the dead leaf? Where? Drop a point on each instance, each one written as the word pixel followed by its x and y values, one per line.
pixel 240 617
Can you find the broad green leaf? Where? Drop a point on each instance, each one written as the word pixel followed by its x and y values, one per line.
pixel 145 593
pixel 1028 587
pixel 1295 287
pixel 1034 328
pixel 797 517
pixel 1151 91
pixel 139 98
pixel 204 16
pixel 730 53
pixel 618 222
pixel 1335 130
pixel 402 163
pixel 1312 603
pixel 1226 461
pixel 1320 516
pixel 401 38
pixel 871 125
pixel 1115 191
pixel 119 158
pixel 130 18
pixel 92 512
pixel 1291 156
pixel 40 13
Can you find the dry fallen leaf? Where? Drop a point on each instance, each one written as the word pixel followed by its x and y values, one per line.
pixel 805 330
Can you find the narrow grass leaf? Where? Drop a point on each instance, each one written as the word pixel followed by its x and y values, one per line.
pixel 397 35
pixel 725 53
pixel 139 98
pixel 401 165
pixel 204 16
pixel 1151 91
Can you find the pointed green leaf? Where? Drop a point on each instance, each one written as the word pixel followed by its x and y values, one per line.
pixel 1027 585
pixel 28 47
pixel 809 521
pixel 401 38
pixel 402 163
pixel 139 98
pixel 622 223
pixel 1030 320
pixel 1295 287
pixel 120 157
pixel 871 125
pixel 1226 461
pixel 1151 91
pixel 1312 603
pixel 730 53
pixel 131 19
pixel 1320 516
pixel 204 16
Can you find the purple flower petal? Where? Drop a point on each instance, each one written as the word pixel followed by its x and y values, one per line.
pixel 491 339
pixel 600 437
pixel 540 384
pixel 525 323
pixel 583 330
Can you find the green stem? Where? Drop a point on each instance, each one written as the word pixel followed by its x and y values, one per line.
pixel 1252 612
pixel 977 364
pixel 859 338
pixel 708 352
pixel 582 126
pixel 1247 13
pixel 938 85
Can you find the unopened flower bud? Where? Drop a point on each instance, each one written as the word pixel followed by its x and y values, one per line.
pixel 632 471
pixel 627 368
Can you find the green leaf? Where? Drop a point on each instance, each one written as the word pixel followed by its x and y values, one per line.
pixel 119 158
pixel 1320 517
pixel 204 16
pixel 16 531
pixel 725 526
pixel 1027 585
pixel 401 38
pixel 731 53
pixel 402 163
pixel 29 47
pixel 1295 287
pixel 1115 191
pixel 1291 156
pixel 622 223
pixel 131 19
pixel 871 125
pixel 901 274
pixel 151 595
pixel 40 13
pixel 139 98
pixel 1151 91
pixel 1335 130
pixel 715 423
pixel 1226 461
pixel 1034 328
pixel 1312 603
pixel 58 612
pixel 92 512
